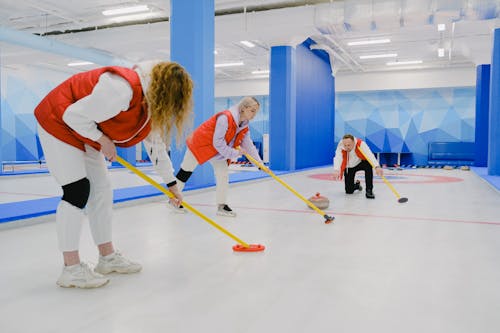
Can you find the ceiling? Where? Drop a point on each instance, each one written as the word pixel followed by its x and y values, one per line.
pixel 411 27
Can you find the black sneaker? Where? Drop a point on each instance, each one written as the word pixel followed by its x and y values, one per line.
pixel 178 210
pixel 357 186
pixel 224 210
pixel 369 195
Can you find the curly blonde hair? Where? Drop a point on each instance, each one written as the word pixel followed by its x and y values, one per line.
pixel 169 99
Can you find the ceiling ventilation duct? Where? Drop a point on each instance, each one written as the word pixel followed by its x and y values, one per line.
pixel 447 11
pixel 371 15
pixel 387 15
pixel 50 45
pixel 416 13
pixel 481 9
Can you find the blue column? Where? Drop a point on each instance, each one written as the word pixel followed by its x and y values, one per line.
pixel 192 46
pixel 482 113
pixel 1 126
pixel 302 108
pixel 128 154
pixel 282 115
pixel 494 118
pixel 315 108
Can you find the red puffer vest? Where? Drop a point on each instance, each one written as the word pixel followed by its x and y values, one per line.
pixel 200 141
pixel 344 157
pixel 126 129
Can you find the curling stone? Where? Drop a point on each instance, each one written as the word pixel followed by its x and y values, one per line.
pixel 319 201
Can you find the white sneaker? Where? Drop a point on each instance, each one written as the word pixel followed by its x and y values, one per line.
pixel 115 262
pixel 224 210
pixel 178 210
pixel 81 276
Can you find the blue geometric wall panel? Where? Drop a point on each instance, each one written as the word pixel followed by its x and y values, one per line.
pixel 393 120
pixel 26 149
pixel 407 120
pixel 22 90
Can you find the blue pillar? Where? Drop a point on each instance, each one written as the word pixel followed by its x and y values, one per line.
pixel 302 108
pixel 128 154
pixel 494 118
pixel 282 116
pixel 482 113
pixel 192 46
pixel 1 126
pixel 315 107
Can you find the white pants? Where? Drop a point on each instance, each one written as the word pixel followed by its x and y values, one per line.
pixel 189 163
pixel 68 164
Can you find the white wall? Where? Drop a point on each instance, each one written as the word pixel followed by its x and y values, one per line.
pixel 463 77
pixel 242 88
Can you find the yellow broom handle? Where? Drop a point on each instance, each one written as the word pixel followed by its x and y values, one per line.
pixel 383 178
pixel 270 173
pixel 170 195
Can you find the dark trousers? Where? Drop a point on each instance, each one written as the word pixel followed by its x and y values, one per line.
pixel 349 174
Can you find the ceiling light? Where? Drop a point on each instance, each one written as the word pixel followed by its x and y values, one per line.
pixel 440 52
pixel 266 71
pixel 134 17
pixel 215 52
pixel 125 10
pixel 247 43
pixel 370 42
pixel 375 56
pixel 411 62
pixel 229 64
pixel 260 76
pixel 441 27
pixel 80 63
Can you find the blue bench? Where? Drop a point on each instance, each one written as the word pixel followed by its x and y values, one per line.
pixel 451 153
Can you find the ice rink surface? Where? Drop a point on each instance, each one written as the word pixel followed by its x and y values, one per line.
pixel 429 265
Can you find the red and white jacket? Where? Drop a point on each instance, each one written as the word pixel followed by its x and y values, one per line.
pixel 204 145
pixel 127 128
pixel 344 159
pixel 106 101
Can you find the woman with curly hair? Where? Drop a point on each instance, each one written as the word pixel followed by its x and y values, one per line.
pixel 80 123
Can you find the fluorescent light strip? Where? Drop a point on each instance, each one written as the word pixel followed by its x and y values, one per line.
pixel 260 76
pixel 375 56
pixel 247 43
pixel 125 10
pixel 80 63
pixel 229 64
pixel 411 62
pixel 261 72
pixel 133 17
pixel 370 42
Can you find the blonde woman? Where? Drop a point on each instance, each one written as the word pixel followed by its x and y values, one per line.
pixel 80 123
pixel 216 140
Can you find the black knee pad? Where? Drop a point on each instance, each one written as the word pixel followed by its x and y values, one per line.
pixel 77 193
pixel 183 175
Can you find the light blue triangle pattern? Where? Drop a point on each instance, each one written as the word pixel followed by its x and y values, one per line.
pixel 407 120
